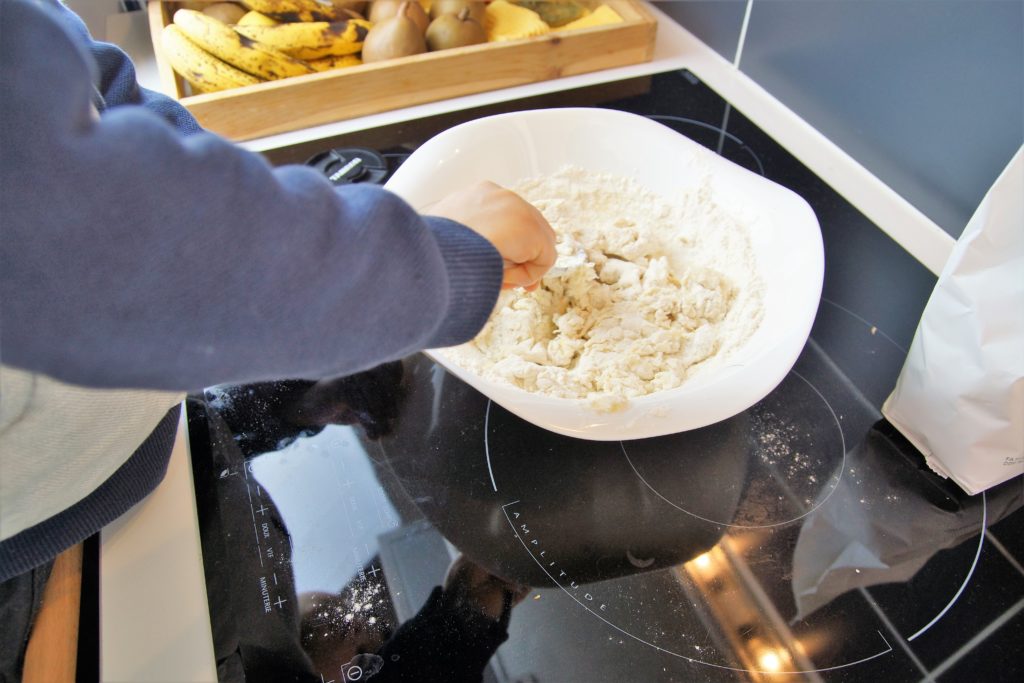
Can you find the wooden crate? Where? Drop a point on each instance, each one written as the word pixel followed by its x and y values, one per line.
pixel 303 101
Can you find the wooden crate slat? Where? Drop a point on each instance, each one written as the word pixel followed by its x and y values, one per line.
pixel 300 102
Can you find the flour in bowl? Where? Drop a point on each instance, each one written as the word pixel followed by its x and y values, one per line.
pixel 667 288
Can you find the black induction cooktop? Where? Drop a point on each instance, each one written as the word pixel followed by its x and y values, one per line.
pixel 398 526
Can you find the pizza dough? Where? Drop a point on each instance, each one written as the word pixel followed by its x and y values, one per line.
pixel 654 292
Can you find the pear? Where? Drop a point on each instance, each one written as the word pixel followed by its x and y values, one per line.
pixel 399 36
pixel 477 9
pixel 385 9
pixel 450 30
pixel 228 12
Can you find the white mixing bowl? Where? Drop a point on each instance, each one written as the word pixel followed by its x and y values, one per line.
pixel 785 237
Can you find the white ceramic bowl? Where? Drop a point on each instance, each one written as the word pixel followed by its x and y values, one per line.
pixel 785 237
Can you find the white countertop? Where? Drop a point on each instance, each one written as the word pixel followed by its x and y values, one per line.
pixel 150 558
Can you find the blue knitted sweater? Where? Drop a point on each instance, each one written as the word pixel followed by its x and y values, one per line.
pixel 138 251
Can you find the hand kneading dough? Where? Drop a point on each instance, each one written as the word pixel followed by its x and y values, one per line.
pixel 666 289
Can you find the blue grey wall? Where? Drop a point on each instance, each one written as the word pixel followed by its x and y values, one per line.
pixel 716 22
pixel 926 94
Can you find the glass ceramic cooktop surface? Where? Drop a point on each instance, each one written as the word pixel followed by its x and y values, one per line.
pixel 398 526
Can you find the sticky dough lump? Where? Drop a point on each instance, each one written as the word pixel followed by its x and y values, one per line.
pixel 664 288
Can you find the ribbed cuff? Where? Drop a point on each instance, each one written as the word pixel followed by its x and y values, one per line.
pixel 474 281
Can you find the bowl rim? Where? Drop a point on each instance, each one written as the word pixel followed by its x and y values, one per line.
pixel 643 416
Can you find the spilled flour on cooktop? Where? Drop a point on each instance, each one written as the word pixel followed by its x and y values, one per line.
pixel 669 287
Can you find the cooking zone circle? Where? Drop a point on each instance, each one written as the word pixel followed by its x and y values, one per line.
pixel 794 450
pixel 719 575
pixel 792 459
pixel 714 137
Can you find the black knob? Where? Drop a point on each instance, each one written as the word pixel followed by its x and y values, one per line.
pixel 346 165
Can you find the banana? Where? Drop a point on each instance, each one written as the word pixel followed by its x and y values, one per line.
pixel 254 18
pixel 202 70
pixel 328 63
pixel 311 40
pixel 221 41
pixel 299 10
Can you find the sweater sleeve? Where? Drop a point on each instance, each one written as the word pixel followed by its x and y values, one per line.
pixel 115 79
pixel 134 256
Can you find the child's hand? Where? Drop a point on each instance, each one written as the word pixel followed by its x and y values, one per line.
pixel 522 236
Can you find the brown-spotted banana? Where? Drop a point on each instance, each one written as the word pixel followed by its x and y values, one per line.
pixel 201 69
pixel 222 41
pixel 299 10
pixel 311 40
pixel 329 63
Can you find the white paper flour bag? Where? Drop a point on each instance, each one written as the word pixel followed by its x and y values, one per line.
pixel 960 396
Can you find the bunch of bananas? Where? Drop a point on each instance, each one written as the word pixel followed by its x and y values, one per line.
pixel 274 39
